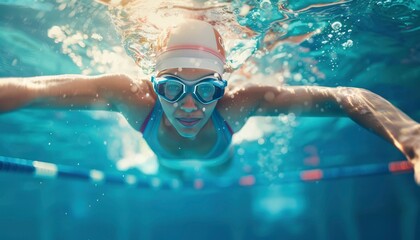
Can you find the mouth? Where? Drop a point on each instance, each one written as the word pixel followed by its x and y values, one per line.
pixel 189 122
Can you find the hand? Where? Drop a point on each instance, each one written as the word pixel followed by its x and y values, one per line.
pixel 410 142
pixel 417 172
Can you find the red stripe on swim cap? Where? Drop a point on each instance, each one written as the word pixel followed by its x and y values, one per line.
pixel 197 47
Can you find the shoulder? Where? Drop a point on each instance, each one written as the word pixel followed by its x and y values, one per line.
pixel 134 98
pixel 242 102
pixel 122 83
pixel 238 104
pixel 247 97
pixel 121 87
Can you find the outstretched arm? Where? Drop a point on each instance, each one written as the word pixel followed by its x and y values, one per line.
pixel 102 92
pixel 364 107
pixel 116 92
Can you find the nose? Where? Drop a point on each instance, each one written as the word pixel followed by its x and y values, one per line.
pixel 189 104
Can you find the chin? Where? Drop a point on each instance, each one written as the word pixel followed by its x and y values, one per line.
pixel 188 134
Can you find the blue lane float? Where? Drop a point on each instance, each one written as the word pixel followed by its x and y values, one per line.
pixel 52 171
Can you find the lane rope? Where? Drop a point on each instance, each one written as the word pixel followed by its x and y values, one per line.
pixel 40 169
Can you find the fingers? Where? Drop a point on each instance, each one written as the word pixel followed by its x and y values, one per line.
pixel 417 172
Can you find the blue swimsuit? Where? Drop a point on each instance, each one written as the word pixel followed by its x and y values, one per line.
pixel 217 155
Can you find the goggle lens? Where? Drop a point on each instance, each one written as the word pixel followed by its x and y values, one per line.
pixel 173 89
pixel 206 91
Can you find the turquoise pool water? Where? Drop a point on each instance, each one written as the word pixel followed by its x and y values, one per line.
pixel 369 44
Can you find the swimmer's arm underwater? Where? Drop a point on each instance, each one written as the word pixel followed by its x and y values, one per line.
pixel 102 92
pixel 364 107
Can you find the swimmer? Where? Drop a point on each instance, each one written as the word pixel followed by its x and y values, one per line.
pixel 188 113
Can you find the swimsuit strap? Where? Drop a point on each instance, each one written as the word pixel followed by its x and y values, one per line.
pixel 218 117
pixel 146 121
pixel 223 134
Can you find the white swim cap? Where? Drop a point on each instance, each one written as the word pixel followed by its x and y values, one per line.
pixel 191 44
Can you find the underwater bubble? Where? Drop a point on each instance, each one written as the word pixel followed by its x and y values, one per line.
pixel 175 183
pixel 336 25
pixel 297 77
pixel 348 43
pixel 265 4
pixel 134 89
pixel 96 36
pixel 269 96
pixel 62 6
pixel 255 16
pixel 284 150
pixel 155 182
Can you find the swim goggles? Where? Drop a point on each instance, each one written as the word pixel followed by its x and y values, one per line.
pixel 206 90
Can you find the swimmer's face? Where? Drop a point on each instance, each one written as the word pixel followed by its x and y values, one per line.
pixel 188 116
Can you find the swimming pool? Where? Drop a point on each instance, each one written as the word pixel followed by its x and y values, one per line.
pixel 370 44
